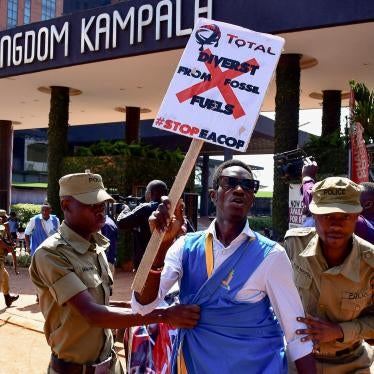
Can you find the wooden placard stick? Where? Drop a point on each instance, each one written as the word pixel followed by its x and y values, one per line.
pixel 174 195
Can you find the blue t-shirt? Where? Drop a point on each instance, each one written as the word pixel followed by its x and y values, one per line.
pixel 13 224
pixel 110 231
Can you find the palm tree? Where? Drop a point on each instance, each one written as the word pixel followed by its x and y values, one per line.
pixel 331 109
pixel 286 131
pixel 57 142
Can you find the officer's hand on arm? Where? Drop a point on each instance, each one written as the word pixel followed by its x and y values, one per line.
pixel 182 316
pixel 98 315
pixel 319 331
pixel 310 169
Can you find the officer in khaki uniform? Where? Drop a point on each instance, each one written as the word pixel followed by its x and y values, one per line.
pixel 6 246
pixel 71 274
pixel 333 271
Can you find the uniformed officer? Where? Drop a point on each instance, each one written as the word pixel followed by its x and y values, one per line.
pixel 6 246
pixel 71 273
pixel 333 270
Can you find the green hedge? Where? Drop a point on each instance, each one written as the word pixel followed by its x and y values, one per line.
pixel 23 260
pixel 25 212
pixel 125 247
pixel 259 223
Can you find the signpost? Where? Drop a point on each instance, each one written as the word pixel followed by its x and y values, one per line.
pixel 359 156
pixel 215 96
pixel 295 206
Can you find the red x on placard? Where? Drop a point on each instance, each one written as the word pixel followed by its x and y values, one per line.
pixel 217 80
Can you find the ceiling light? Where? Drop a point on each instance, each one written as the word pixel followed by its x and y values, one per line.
pixel 319 95
pixel 307 62
pixel 72 91
pixel 123 110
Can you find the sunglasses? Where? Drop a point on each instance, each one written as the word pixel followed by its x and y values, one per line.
pixel 95 207
pixel 249 185
pixel 98 206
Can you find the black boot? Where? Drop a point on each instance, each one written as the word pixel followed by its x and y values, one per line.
pixel 9 299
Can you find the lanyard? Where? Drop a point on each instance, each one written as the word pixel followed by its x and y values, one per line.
pixel 209 254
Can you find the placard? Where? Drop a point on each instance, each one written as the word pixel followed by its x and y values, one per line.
pixel 295 206
pixel 219 84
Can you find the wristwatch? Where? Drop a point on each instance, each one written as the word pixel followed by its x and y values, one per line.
pixel 307 179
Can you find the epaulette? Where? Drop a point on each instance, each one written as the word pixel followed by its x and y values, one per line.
pixel 53 241
pixel 300 231
pixel 367 251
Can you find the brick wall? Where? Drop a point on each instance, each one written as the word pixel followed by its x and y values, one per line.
pixel 3 14
pixel 36 10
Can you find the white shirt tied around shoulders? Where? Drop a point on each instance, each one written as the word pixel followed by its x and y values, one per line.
pixel 274 277
pixel 47 225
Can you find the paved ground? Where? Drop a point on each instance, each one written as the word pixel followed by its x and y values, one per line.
pixel 23 345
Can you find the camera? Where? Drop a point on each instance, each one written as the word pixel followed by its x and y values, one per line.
pixel 114 209
pixel 289 164
pixel 133 201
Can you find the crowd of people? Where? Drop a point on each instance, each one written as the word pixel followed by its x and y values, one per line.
pixel 245 303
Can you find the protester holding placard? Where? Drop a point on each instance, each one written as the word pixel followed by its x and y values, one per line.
pixel 238 277
pixel 214 96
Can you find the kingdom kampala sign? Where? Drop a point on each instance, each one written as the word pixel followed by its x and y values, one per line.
pixel 128 29
pixel 137 27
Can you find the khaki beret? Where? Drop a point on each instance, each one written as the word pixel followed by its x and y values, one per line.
pixel 335 195
pixel 87 188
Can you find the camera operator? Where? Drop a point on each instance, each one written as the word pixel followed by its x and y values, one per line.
pixel 308 175
pixel 137 219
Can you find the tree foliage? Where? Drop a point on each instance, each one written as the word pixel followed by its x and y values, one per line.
pixel 124 166
pixel 330 152
pixel 363 111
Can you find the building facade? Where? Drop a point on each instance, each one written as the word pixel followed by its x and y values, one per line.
pixel 117 55
pixel 71 6
pixel 22 12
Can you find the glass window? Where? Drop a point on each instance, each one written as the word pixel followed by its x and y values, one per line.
pixel 36 155
pixel 48 9
pixel 27 12
pixel 12 13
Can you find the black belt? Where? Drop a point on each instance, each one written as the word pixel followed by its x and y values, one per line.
pixel 347 350
pixel 65 367
pixel 342 352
